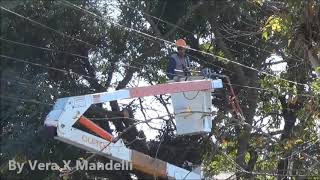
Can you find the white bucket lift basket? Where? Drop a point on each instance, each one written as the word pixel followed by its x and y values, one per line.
pixel 193 112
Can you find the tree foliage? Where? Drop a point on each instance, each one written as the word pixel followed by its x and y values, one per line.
pixel 81 54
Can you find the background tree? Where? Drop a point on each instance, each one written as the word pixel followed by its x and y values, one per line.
pixel 81 54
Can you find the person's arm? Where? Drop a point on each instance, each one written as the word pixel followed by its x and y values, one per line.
pixel 171 67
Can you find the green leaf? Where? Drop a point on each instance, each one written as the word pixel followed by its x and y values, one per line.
pixel 265 35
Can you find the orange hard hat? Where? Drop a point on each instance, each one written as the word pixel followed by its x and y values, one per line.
pixel 181 43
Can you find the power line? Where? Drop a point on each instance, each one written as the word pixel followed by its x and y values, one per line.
pixel 257 129
pixel 216 38
pixel 230 159
pixel 141 121
pixel 270 90
pixel 25 100
pixel 26 84
pixel 39 65
pixel 43 48
pixel 54 50
pixel 56 31
pixel 65 52
pixel 44 66
pixel 172 43
pixel 35 64
pixel 64 71
pixel 148 35
pixel 159 19
pixel 211 63
pixel 58 51
pixel 77 55
pixel 145 34
pixel 47 27
pixel 178 28
pixel 224 37
pixel 303 149
pixel 153 37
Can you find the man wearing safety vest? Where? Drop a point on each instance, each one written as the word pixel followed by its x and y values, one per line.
pixel 179 63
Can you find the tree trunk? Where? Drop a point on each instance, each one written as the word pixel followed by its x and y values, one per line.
pixel 289 114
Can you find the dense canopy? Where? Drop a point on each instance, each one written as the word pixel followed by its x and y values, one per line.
pixel 270 49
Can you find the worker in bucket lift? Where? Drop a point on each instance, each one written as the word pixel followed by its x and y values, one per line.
pixel 179 63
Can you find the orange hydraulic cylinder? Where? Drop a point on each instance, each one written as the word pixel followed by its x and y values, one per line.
pixel 95 128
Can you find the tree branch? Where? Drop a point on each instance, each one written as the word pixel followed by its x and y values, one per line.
pixel 150 20
pixel 183 19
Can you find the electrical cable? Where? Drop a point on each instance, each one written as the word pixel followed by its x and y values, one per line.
pixel 47 27
pixel 172 43
pixel 293 82
pixel 77 55
pixel 43 66
pixel 52 49
pixel 150 36
pixel 43 48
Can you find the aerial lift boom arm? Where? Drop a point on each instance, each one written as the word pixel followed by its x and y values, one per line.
pixel 67 111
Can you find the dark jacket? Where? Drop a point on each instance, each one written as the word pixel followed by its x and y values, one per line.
pixel 175 63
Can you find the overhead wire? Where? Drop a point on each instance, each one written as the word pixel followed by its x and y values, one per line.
pixel 64 71
pixel 72 170
pixel 159 19
pixel 172 43
pixel 270 90
pixel 230 159
pixel 64 52
pixel 27 84
pixel 50 67
pixel 47 27
pixel 137 32
pixel 173 26
pixel 252 87
pixel 32 63
pixel 192 33
pixel 49 104
pixel 222 37
pixel 137 67
pixel 43 66
pixel 25 100
pixel 73 53
pixel 43 48
pixel 289 81
pixel 303 149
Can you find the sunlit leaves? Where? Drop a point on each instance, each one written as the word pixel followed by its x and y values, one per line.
pixel 315 86
pixel 274 25
pixel 207 47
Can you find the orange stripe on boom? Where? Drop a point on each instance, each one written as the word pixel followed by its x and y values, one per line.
pixel 95 128
pixel 170 88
